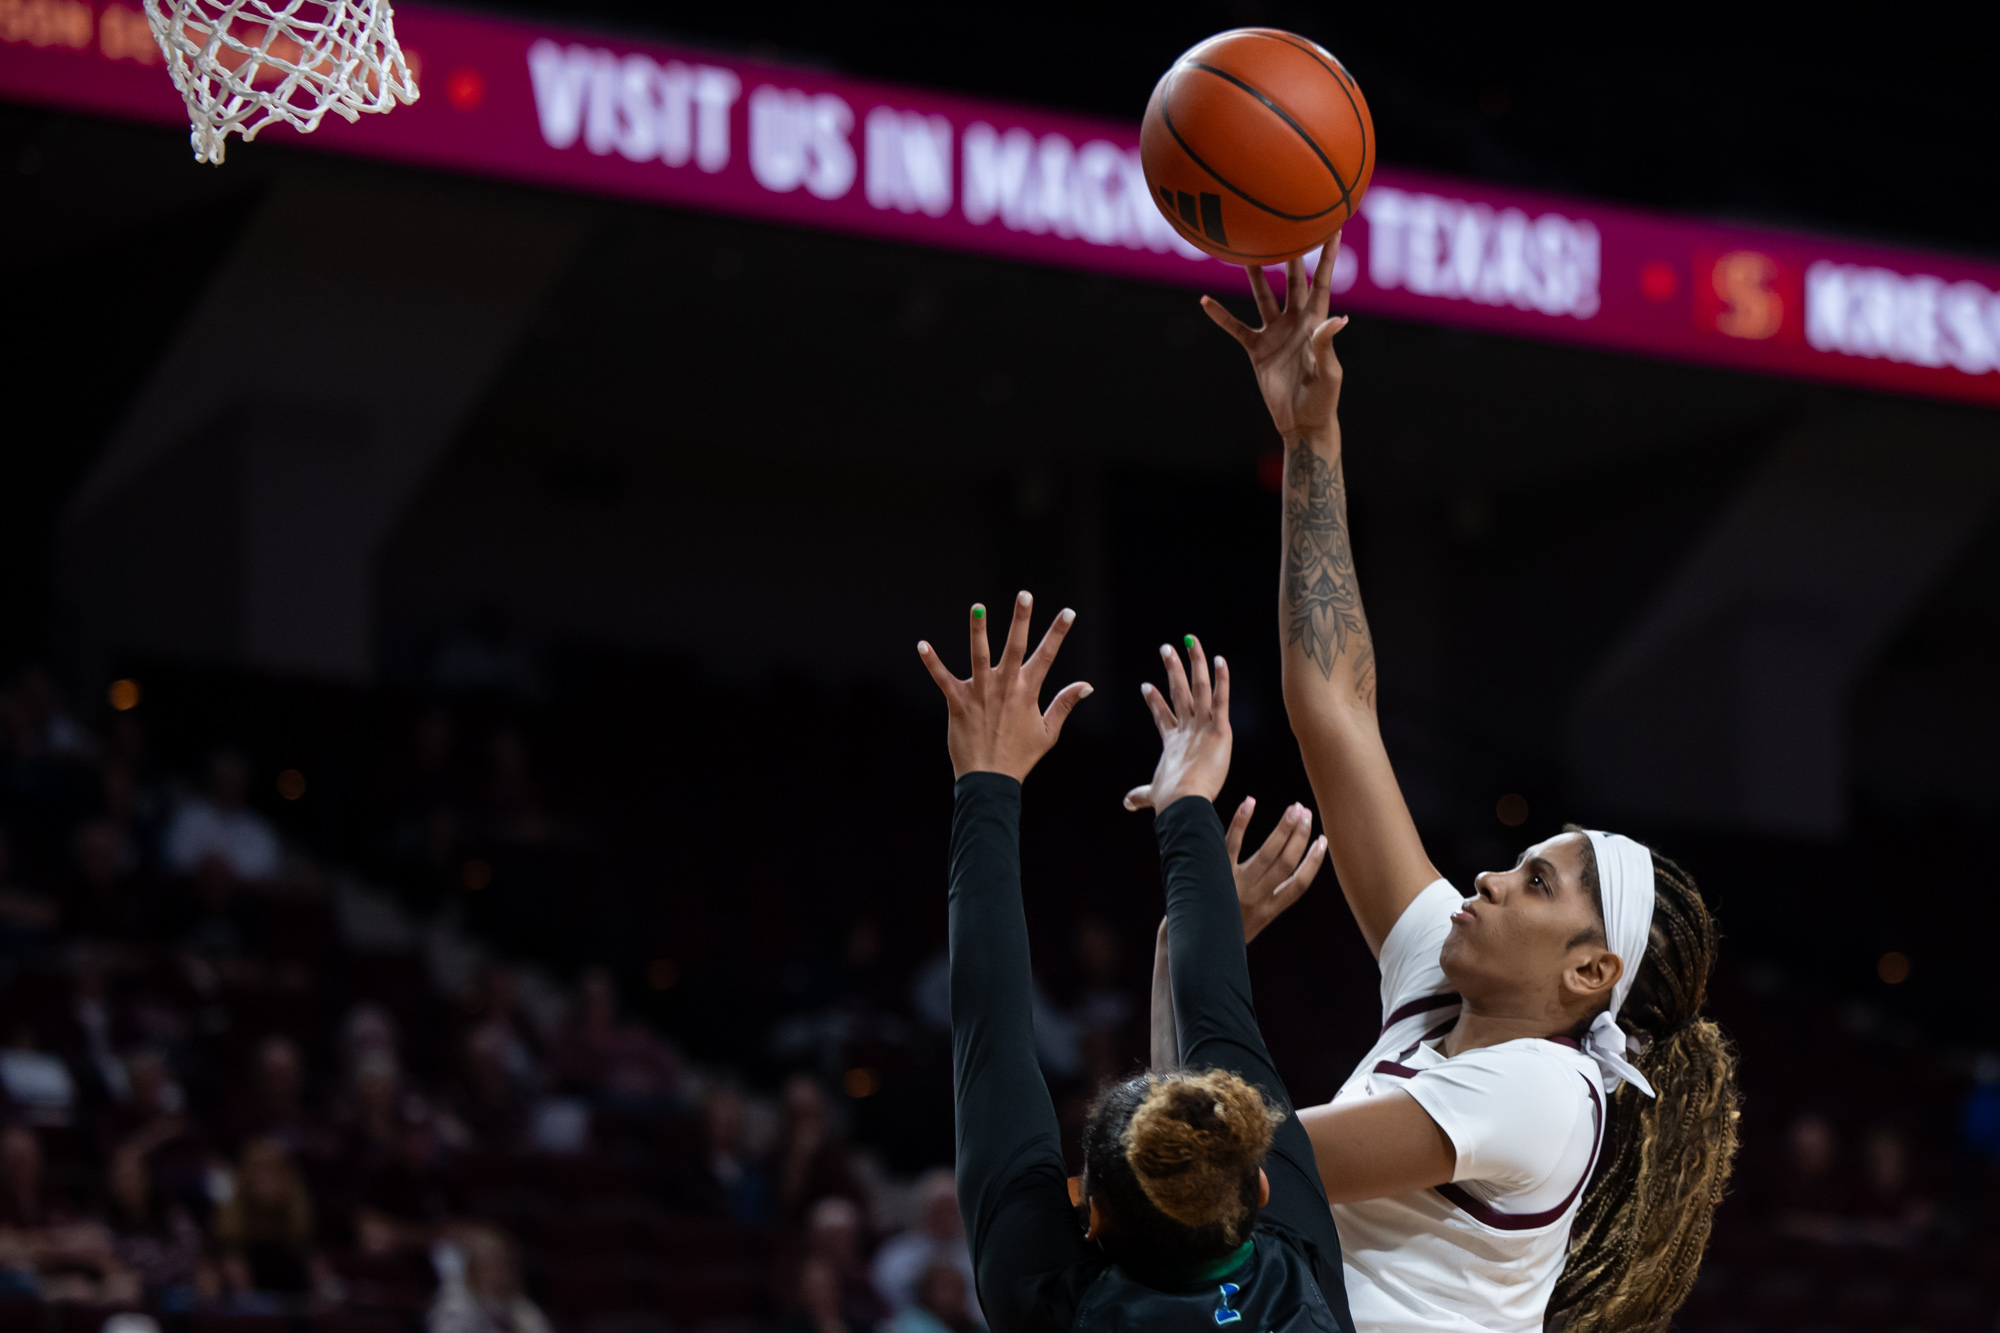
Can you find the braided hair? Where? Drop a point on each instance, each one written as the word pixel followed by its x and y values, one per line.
pixel 1645 1218
pixel 1174 1159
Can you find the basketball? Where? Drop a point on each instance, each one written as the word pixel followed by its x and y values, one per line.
pixel 1257 145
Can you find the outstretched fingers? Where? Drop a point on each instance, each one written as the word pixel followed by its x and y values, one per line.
pixel 1260 287
pixel 1300 880
pixel 1016 647
pixel 1282 845
pixel 1177 683
pixel 982 651
pixel 1156 704
pixel 952 686
pixel 1322 284
pixel 1295 282
pixel 1219 704
pixel 1322 338
pixel 1060 707
pixel 1198 674
pixel 1239 824
pixel 1037 666
pixel 1227 322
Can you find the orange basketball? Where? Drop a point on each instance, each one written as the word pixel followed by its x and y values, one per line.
pixel 1257 145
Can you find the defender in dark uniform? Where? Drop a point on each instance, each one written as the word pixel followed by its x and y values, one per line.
pixel 1200 1206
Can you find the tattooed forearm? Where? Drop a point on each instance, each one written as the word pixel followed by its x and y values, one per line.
pixel 1322 602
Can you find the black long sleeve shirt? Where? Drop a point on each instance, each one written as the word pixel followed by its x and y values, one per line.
pixel 1036 1272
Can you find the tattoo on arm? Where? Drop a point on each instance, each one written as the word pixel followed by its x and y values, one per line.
pixel 1322 600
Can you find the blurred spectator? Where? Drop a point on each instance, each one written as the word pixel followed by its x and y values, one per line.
pixel 275 1108
pixel 152 1238
pixel 1888 1210
pixel 264 1229
pixel 374 1116
pixel 495 1004
pixel 487 1099
pixel 1811 1201
pixel 1104 1009
pixel 842 1006
pixel 514 810
pixel 151 1104
pixel 937 1238
pixel 34 724
pixel 84 1033
pixel 215 926
pixel 407 1197
pixel 820 1309
pixel 127 806
pixel 727 1179
pixel 835 1231
pixel 50 1248
pixel 621 1064
pixel 99 898
pixel 425 800
pixel 38 1085
pixel 369 1031
pixel 221 829
pixel 943 1304
pixel 812 1162
pixel 479 1287
pixel 25 1200
pixel 834 1235
pixel 1979 1117
pixel 27 918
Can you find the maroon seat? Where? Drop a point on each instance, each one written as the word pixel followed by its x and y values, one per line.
pixel 1783 1297
pixel 569 1178
pixel 692 1240
pixel 397 1266
pixel 81 1318
pixel 581 1290
pixel 219 1321
pixel 712 1296
pixel 1954 1307
pixel 583 1237
pixel 345 1319
pixel 1870 1301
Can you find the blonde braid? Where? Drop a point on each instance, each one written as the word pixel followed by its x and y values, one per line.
pixel 1639 1234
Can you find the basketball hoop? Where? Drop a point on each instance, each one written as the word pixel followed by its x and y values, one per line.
pixel 241 64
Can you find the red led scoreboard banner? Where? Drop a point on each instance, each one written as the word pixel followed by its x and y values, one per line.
pixel 693 130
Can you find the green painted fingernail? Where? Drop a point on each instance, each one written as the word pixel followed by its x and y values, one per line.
pixel 979 613
pixel 1187 642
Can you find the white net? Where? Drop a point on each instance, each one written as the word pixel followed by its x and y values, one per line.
pixel 241 64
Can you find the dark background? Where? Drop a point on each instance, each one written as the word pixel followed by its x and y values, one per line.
pixel 973 427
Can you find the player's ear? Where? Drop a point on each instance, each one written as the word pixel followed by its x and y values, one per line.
pixel 1263 1189
pixel 1098 1220
pixel 1593 971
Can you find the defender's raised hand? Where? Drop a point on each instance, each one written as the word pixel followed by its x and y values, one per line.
pixel 1280 871
pixel 997 723
pixel 1194 731
pixel 1292 352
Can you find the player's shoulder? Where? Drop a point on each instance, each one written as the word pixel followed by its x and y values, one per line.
pixel 1429 913
pixel 1537 1054
pixel 1553 1078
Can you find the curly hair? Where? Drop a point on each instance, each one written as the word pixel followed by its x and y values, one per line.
pixel 1174 1158
pixel 1645 1218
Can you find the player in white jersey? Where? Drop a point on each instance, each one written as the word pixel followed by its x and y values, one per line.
pixel 1543 1129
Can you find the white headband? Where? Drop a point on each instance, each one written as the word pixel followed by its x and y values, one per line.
pixel 1625 883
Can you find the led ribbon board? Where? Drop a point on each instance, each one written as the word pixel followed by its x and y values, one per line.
pixel 690 129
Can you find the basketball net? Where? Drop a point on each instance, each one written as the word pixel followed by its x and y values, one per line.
pixel 241 64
